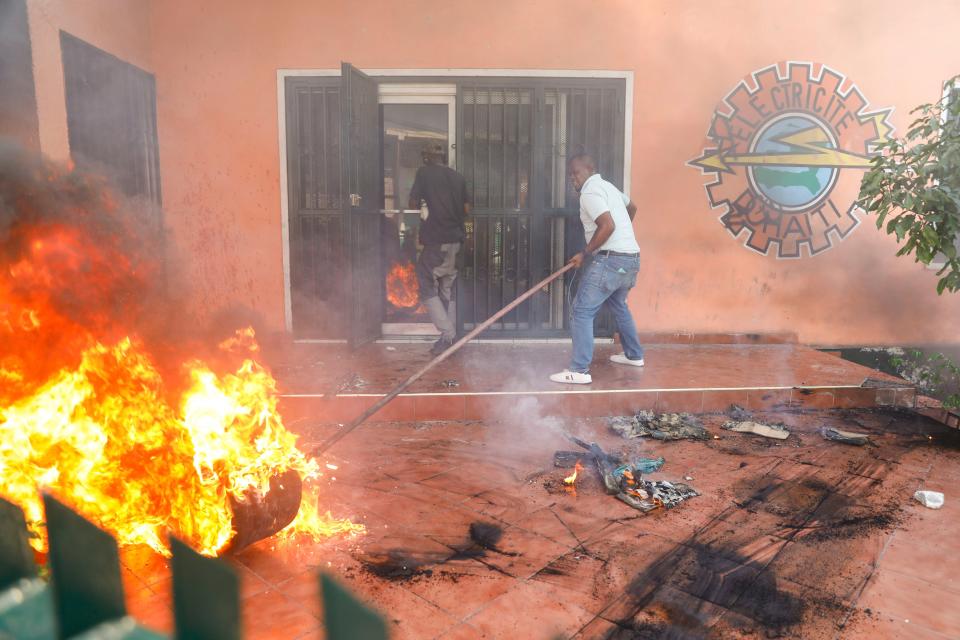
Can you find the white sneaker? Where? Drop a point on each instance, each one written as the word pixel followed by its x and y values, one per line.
pixel 572 377
pixel 620 358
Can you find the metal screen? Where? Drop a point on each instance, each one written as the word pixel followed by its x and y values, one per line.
pixel 318 259
pixel 317 143
pixel 496 158
pixel 513 148
pixel 112 118
pixel 318 254
pixel 580 120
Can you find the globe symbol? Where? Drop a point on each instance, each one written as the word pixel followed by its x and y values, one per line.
pixel 791 188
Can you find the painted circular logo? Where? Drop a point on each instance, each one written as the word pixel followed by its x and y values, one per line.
pixel 780 144
pixel 791 187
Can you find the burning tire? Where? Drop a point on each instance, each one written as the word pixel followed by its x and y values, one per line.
pixel 261 516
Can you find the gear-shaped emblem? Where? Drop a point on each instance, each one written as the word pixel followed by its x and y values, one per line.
pixel 780 142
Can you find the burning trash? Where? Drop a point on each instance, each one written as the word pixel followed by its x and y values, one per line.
pixel 646 495
pixel 624 479
pixel 571 479
pixel 145 438
pixel 664 426
pixel 403 289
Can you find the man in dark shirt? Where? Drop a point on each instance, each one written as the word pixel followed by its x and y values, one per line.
pixel 444 191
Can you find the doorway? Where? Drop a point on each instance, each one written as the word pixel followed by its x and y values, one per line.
pixel 352 144
pixel 412 117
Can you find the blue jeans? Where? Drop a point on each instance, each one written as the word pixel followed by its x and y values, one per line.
pixel 605 279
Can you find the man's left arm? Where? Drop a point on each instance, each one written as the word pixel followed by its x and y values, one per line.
pixel 628 203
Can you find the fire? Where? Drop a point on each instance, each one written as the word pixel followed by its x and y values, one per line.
pixel 89 412
pixel 403 290
pixel 571 479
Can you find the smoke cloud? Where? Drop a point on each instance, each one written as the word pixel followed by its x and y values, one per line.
pixel 81 265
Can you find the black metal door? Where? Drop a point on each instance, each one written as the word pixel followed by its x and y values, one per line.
pixel 319 271
pixel 361 172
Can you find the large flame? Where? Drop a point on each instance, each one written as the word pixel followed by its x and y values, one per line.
pixel 403 289
pixel 85 411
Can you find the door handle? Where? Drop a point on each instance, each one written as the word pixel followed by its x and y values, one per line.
pixel 355 199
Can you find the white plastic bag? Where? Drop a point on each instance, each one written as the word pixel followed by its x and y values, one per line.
pixel 929 499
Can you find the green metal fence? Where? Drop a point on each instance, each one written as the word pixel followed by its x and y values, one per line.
pixel 84 598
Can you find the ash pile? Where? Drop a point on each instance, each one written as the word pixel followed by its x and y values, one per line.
pixel 663 426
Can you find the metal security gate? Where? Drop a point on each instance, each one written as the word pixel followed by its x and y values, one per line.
pixel 333 174
pixel 513 139
pixel 514 142
pixel 318 254
pixel 496 157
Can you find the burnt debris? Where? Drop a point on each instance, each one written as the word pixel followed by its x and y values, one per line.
pixel 662 426
pixel 846 437
pixel 777 430
pixel 259 516
pixel 624 481
pixel 569 459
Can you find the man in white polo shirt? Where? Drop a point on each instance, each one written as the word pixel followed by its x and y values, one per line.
pixel 612 260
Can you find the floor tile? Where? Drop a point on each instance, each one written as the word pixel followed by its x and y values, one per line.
pixel 271 615
pixel 544 617
pixel 879 627
pixel 776 523
pixel 522 553
pixel 462 631
pixel 899 596
pixel 461 589
pixel 408 615
pixel 937 563
pixel 151 609
pixel 145 563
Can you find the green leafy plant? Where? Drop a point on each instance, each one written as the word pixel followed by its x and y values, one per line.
pixel 914 187
pixel 935 375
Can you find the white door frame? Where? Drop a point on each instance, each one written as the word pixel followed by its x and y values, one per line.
pixel 283 74
pixel 427 94
pixel 411 93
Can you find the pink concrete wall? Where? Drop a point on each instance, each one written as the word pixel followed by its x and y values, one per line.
pixel 216 63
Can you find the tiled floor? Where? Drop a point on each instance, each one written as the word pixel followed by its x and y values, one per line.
pixel 486 381
pixel 804 538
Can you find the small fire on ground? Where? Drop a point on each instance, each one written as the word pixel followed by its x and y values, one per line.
pixel 93 414
pixel 403 289
pixel 571 480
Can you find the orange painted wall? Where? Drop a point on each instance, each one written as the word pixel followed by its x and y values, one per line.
pixel 216 63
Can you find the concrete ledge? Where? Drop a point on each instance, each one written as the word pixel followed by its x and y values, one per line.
pixel 495 405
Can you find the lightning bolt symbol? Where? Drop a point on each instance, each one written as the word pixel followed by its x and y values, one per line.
pixel 808 150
